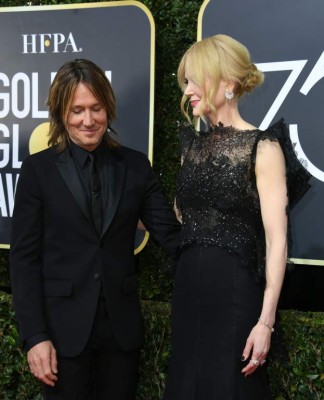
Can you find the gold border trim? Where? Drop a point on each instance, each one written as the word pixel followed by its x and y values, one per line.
pixel 152 63
pixel 143 244
pixel 200 17
pixel 79 5
pixel 307 261
pixel 199 29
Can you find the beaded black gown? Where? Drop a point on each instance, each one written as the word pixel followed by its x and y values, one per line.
pixel 219 281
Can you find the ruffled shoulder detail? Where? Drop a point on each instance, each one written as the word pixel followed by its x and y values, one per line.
pixel 297 175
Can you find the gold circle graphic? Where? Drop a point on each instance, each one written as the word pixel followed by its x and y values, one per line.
pixel 39 138
pixel 47 43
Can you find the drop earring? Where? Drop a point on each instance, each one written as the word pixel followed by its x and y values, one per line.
pixel 228 94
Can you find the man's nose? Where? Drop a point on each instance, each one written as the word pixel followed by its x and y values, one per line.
pixel 88 118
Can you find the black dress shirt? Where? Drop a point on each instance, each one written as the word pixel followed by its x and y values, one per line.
pixel 81 160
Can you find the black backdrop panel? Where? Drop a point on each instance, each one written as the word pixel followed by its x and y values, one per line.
pixel 35 42
pixel 285 39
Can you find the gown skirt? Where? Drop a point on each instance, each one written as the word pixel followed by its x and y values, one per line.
pixel 216 302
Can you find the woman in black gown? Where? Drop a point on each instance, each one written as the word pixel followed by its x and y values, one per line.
pixel 232 198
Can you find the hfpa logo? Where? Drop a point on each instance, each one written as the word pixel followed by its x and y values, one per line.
pixel 38 43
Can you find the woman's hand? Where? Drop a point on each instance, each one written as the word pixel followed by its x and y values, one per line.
pixel 256 348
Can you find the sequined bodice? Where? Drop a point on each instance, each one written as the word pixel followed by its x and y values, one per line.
pixel 216 191
pixel 217 196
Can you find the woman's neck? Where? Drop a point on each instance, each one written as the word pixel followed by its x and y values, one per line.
pixel 229 115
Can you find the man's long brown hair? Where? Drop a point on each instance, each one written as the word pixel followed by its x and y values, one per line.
pixel 62 91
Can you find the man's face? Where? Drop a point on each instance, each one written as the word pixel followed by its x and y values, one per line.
pixel 86 119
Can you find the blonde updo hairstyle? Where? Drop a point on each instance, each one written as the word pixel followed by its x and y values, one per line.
pixel 217 58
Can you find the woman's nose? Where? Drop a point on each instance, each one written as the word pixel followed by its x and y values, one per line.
pixel 188 90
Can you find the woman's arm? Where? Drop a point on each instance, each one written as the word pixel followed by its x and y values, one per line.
pixel 271 184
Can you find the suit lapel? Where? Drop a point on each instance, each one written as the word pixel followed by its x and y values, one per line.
pixel 116 174
pixel 67 169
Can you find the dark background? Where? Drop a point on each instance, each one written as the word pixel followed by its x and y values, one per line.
pixel 276 31
pixel 117 38
pixel 176 30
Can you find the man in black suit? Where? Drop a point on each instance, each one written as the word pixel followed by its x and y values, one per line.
pixel 73 274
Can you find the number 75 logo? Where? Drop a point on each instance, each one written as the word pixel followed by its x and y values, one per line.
pixel 295 67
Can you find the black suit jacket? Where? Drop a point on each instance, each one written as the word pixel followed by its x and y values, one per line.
pixel 59 261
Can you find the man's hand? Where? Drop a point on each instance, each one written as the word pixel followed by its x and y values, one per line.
pixel 43 363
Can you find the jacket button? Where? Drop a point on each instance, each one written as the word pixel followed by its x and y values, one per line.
pixel 96 276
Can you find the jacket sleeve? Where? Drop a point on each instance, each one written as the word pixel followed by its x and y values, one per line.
pixel 26 254
pixel 158 216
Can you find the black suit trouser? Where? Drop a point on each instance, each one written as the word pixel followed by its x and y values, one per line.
pixel 101 372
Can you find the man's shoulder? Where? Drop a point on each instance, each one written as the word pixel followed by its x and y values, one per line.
pixel 46 154
pixel 130 154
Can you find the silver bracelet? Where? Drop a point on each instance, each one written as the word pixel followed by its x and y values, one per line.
pixel 266 324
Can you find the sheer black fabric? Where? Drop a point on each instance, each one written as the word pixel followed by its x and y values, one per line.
pixel 216 300
pixel 216 189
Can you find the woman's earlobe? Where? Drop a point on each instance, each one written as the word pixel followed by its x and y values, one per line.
pixel 229 94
